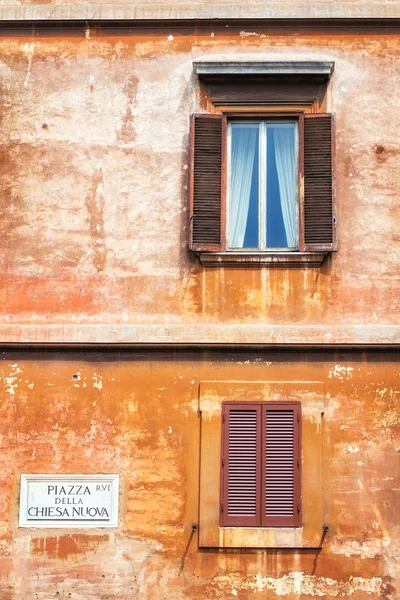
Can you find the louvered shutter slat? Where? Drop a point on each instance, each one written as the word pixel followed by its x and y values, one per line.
pixel 280 466
pixel 206 176
pixel 242 465
pixel 319 185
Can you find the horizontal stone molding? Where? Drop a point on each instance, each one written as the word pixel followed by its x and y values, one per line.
pixel 205 334
pixel 290 67
pixel 259 259
pixel 366 9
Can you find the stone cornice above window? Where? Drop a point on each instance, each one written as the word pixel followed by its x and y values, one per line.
pixel 235 68
pixel 273 11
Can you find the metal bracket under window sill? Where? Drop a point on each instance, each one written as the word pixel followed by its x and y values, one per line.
pixel 273 260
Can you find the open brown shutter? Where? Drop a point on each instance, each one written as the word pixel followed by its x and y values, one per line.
pixel 240 501
pixel 281 465
pixel 319 207
pixel 206 145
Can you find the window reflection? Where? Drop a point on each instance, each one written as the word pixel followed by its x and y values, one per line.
pixel 244 205
pixel 263 185
pixel 281 186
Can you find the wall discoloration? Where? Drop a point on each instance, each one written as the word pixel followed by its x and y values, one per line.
pixel 65 546
pixel 95 207
pixel 294 584
pixel 143 423
pixel 112 129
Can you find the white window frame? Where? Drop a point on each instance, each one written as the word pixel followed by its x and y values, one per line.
pixel 262 187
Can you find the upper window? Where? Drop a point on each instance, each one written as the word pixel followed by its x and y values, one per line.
pixel 262 186
pixel 262 189
pixel 262 207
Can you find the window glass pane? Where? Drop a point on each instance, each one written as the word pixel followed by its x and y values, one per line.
pixel 243 208
pixel 281 185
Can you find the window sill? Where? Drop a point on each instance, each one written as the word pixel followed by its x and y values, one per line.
pixel 262 259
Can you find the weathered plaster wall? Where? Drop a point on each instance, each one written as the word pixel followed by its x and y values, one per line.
pixel 137 414
pixel 212 9
pixel 94 139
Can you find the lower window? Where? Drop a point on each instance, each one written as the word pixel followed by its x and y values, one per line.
pixel 261 465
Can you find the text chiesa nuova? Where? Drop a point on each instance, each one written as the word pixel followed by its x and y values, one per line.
pixel 69 502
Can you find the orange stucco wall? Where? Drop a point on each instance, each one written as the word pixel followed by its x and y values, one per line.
pixel 136 413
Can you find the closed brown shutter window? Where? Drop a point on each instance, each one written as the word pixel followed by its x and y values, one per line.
pixel 207 140
pixel 260 482
pixel 319 209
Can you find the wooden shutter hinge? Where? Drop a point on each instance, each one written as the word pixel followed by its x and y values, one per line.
pixel 298 508
pixel 223 462
pixel 298 462
pixel 222 507
pixel 298 418
pixel 223 417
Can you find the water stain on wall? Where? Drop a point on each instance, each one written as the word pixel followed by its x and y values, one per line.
pixel 95 203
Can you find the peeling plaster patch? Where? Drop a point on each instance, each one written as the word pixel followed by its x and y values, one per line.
pixel 11 382
pixel 340 372
pixel 210 407
pixel 311 411
pixel 351 449
pixel 368 549
pixel 97 382
pixel 294 583
pixel 29 50
pixel 5 548
pixel 252 33
pixel 388 419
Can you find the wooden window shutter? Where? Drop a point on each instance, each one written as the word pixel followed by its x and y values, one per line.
pixel 319 204
pixel 206 146
pixel 240 505
pixel 281 465
pixel 261 465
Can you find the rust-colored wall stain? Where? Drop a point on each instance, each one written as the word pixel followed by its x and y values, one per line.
pixel 94 137
pixel 137 414
pixel 95 206
pixel 64 546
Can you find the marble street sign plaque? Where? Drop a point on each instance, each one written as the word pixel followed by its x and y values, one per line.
pixel 69 501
